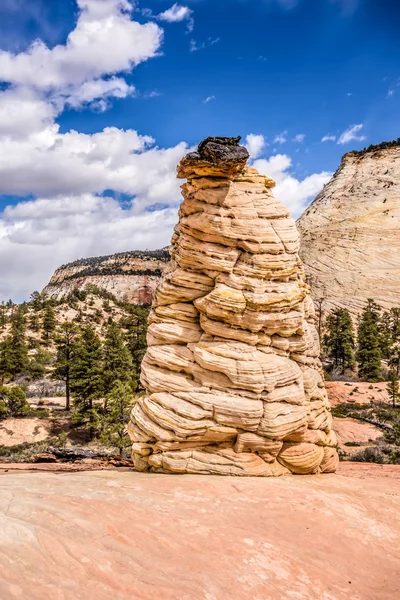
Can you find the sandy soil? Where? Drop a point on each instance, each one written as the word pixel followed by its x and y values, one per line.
pixel 17 431
pixel 108 535
pixel 55 402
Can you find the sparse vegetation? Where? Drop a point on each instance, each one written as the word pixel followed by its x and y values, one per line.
pixel 375 147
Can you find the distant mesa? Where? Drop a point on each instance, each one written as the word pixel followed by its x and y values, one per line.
pixel 350 240
pixel 133 276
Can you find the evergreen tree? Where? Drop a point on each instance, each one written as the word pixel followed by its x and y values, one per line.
pixel 18 359
pixel 34 323
pixel 6 367
pixel 389 331
pixel 86 377
pixel 393 387
pixel 14 399
pixel 369 354
pixel 117 361
pixel 65 352
pixel 38 363
pixel 136 326
pixel 340 341
pixel 49 323
pixel 3 316
pixel 119 405
pixel 37 301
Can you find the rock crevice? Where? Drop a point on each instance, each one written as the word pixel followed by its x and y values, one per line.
pixel 233 380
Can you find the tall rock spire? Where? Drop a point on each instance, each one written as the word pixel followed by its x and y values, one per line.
pixel 233 381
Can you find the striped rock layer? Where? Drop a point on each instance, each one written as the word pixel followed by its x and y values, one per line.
pixel 233 380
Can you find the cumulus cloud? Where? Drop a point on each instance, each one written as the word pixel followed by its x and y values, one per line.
pixel 208 99
pixel 37 237
pixel 90 54
pixel 281 138
pixel 299 138
pixel 255 144
pixel 176 14
pixel 24 112
pixel 293 192
pixel 69 173
pixel 329 138
pixel 351 134
pixel 75 180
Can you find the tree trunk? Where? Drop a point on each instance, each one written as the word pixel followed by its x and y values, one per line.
pixel 67 393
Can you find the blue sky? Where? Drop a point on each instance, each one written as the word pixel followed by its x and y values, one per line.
pixel 94 117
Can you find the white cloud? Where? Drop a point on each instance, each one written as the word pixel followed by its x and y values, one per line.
pixel 351 134
pixel 37 237
pixel 299 138
pixel 281 138
pixel 176 14
pixel 89 55
pixel 329 138
pixel 208 99
pixel 54 163
pixel 23 112
pixel 70 172
pixel 390 93
pixel 194 46
pixel 255 144
pixel 294 193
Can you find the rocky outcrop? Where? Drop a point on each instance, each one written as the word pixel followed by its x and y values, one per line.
pixel 350 242
pixel 130 275
pixel 232 376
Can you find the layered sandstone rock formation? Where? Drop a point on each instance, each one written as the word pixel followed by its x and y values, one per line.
pixel 233 379
pixel 350 242
pixel 130 275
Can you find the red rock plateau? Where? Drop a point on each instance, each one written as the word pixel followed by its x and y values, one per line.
pixel 123 535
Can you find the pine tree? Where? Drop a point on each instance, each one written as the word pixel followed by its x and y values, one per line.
pixel 49 323
pixel 117 361
pixel 389 331
pixel 136 326
pixel 369 354
pixel 3 316
pixel 18 349
pixel 86 376
pixel 340 341
pixel 6 367
pixel 37 301
pixel 65 353
pixel 34 323
pixel 393 386
pixel 38 363
pixel 119 405
pixel 15 402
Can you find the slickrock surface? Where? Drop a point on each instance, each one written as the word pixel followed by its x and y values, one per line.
pixel 131 536
pixel 233 378
pixel 130 275
pixel 350 241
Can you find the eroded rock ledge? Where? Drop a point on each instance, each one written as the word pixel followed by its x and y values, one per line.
pixel 232 372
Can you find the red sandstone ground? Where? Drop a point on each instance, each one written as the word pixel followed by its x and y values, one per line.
pixel 360 392
pixel 125 535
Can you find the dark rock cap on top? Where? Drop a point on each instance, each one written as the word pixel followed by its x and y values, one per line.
pixel 215 157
